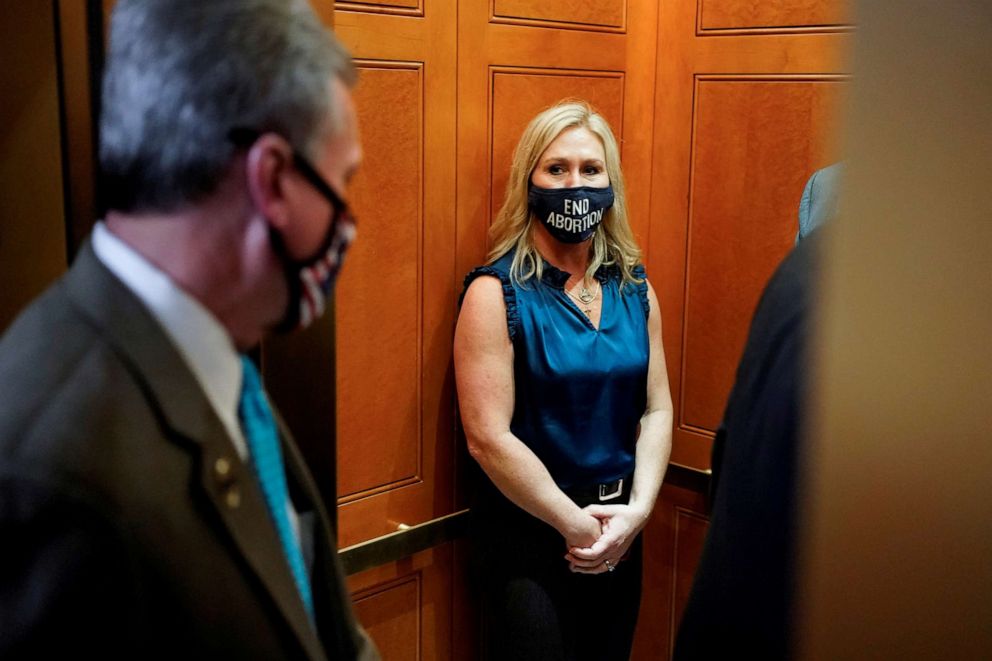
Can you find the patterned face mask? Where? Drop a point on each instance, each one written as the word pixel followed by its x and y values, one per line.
pixel 310 280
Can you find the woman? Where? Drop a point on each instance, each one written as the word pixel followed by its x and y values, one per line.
pixel 564 399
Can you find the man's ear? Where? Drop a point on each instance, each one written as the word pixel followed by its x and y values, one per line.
pixel 269 161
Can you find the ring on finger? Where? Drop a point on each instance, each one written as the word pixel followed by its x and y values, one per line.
pixel 609 565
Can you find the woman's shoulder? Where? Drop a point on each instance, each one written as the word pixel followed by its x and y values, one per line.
pixel 639 287
pixel 500 271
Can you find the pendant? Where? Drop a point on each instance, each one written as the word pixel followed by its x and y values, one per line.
pixel 586 296
pixel 588 312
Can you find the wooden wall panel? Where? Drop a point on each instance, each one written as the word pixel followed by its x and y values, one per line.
pixel 406 606
pixel 690 534
pixel 513 58
pixel 397 7
pixel 687 64
pixel 755 142
pixel 390 614
pixel 518 95
pixel 395 312
pixel 580 14
pixel 395 306
pixel 32 230
pixel 379 292
pixel 737 15
pixel 82 30
pixel 672 543
pixel 741 121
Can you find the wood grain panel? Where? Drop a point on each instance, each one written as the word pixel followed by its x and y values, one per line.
pixel 389 618
pixel 391 615
pixel 518 95
pixel 32 232
pixel 80 49
pixel 756 142
pixel 682 58
pixel 690 534
pixel 564 13
pixel 378 296
pixel 742 15
pixel 673 540
pixel 398 7
pixel 408 136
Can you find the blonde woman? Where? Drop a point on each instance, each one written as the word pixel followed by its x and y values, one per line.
pixel 564 399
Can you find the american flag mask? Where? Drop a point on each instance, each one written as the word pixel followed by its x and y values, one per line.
pixel 316 278
pixel 310 280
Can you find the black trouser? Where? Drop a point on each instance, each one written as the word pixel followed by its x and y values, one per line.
pixel 533 607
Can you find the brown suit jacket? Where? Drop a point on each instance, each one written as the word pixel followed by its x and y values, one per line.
pixel 128 525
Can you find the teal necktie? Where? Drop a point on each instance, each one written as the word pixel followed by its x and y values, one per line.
pixel 262 437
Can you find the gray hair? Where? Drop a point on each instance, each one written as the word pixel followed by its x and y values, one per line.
pixel 181 74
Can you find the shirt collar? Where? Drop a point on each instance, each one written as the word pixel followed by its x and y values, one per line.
pixel 201 340
pixel 554 276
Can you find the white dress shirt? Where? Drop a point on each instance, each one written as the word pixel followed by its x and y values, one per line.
pixel 202 342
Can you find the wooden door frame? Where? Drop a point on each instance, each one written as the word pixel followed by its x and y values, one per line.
pixel 79 47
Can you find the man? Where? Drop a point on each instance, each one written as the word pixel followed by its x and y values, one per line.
pixel 741 601
pixel 150 503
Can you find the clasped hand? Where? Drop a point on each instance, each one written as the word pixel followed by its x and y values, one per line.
pixel 619 526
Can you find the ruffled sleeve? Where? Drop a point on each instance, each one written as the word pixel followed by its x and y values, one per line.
pixel 509 295
pixel 642 288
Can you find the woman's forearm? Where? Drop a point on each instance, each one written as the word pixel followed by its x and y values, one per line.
pixel 523 478
pixel 654 446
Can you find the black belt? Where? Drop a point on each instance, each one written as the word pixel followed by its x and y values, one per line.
pixel 603 492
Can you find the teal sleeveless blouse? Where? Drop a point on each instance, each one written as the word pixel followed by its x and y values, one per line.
pixel 579 392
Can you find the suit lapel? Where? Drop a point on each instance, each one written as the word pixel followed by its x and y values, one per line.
pixel 238 500
pixel 228 483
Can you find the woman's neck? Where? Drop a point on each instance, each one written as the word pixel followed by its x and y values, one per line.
pixel 573 258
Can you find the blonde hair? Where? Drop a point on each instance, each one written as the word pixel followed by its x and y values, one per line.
pixel 613 242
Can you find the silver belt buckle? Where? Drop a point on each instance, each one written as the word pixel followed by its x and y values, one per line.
pixel 604 495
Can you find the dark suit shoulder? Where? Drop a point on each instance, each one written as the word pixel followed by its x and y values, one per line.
pixel 71 406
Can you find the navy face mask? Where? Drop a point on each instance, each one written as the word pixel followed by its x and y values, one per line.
pixel 570 214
